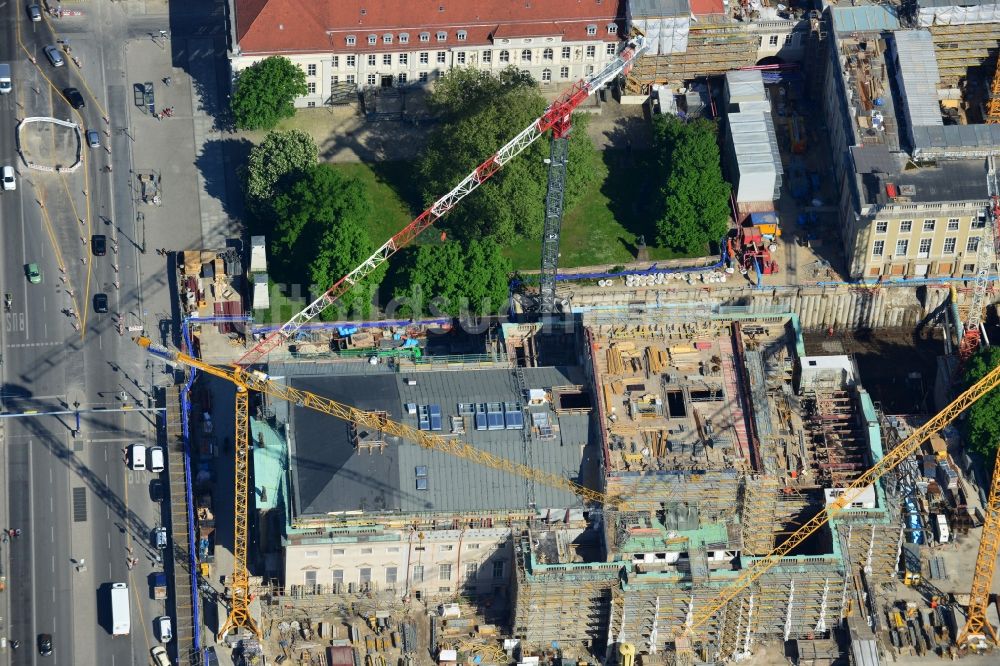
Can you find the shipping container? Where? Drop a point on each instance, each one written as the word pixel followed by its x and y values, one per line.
pixel 941 530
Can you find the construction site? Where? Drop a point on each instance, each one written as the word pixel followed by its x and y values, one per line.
pixel 674 474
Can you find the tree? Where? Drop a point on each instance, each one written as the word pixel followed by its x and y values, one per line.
pixel 321 225
pixel 694 200
pixel 279 158
pixel 266 91
pixel 480 112
pixel 982 425
pixel 447 279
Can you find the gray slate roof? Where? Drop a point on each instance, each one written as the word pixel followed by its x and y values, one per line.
pixel 329 476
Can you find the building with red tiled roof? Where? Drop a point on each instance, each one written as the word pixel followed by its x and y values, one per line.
pixel 383 43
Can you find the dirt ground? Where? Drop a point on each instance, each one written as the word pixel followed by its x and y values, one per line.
pixel 897 366
pixel 49 144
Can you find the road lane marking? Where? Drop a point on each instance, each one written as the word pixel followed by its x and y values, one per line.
pixel 21 345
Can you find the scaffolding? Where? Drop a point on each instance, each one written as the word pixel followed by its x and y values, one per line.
pixel 836 442
pixel 565 602
pixel 760 498
pixel 961 47
pixel 714 492
pixel 715 45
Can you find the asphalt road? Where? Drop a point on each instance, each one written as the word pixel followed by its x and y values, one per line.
pixel 72 496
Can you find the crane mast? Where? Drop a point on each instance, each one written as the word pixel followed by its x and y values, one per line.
pixel 558 154
pixel 986 255
pixel 558 112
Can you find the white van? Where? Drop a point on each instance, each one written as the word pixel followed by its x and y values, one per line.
pixel 137 456
pixel 156 459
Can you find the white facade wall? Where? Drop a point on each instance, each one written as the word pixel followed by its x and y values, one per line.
pixel 551 61
pixel 438 563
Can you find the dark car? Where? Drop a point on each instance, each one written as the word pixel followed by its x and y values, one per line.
pixel 99 245
pixel 101 303
pixel 45 644
pixel 74 98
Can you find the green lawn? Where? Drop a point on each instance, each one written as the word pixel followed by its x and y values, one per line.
pixel 600 229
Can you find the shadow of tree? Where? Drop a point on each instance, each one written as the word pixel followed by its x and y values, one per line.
pixel 221 163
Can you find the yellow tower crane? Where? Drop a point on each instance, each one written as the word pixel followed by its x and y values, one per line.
pixel 246 380
pixel 989 543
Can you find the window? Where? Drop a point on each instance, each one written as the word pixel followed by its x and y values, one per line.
pixel 312 553
pixel 404 58
pixel 953 224
pixel 425 36
pixel 565 53
pixel 310 579
pixel 505 56
pixel 564 72
pixel 441 57
pixel 352 61
pixel 925 248
pixel 338 576
pixel 446 548
pixel 487 56
pixel 387 38
pixel 365 575
pixel 878 249
pixel 371 79
pixel 905 226
pixel 351 40
pixel 371 59
pixel 610 48
pixel 424 55
pixel 336 61
pixel 311 105
pixel 591 51
pixel 392 549
pixel 461 35
pixel 444 588
pixel 390 575
pixel 590 70
pixel 418 573
pixel 498 569
pixel 979 222
pixel 422 77
pixel 460 57
pixel 525 55
pixel 445 572
pixel 402 77
pixel 547 54
pixel 366 551
pixel 350 78
pixel 338 551
pixel 949 245
pixel 928 225
pixel 311 87
pixel 372 40
pixel 470 570
pixel 591 30
pixel 902 246
pixel 773 40
pixel 386 58
pixel 334 80
pixel 612 28
pixel 404 38
pixel 881 227
pixel 546 75
pixel 972 245
pixel 968 268
pixel 442 35
pixel 473 546
pixel 310 70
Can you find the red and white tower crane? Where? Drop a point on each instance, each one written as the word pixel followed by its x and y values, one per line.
pixel 986 258
pixel 556 117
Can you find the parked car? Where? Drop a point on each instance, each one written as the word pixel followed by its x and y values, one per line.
pixel 9 180
pixel 160 537
pixel 156 463
pixel 101 303
pixel 74 98
pixel 164 626
pixel 159 655
pixel 56 58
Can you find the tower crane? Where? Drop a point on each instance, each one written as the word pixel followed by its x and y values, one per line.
pixel 555 117
pixel 989 542
pixel 246 380
pixel 986 258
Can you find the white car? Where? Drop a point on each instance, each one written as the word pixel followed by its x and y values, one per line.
pixel 166 631
pixel 9 181
pixel 159 654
